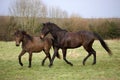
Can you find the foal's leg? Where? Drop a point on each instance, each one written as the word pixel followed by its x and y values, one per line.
pixel 64 57
pixel 55 53
pixel 19 57
pixel 43 61
pixel 47 56
pixel 30 59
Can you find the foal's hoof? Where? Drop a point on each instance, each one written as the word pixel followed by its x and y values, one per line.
pixel 21 64
pixel 42 64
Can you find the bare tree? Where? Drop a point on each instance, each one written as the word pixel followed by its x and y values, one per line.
pixel 26 12
pixel 56 12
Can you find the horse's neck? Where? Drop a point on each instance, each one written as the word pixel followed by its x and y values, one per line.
pixel 58 35
pixel 57 32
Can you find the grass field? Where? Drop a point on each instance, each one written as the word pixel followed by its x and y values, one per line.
pixel 107 68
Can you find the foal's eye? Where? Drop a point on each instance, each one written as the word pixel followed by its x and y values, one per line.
pixel 17 35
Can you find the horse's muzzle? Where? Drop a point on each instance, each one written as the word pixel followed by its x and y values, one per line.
pixel 42 36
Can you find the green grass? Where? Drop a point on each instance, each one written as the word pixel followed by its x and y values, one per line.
pixel 107 68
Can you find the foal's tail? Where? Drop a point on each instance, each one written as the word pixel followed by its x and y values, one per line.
pixel 104 45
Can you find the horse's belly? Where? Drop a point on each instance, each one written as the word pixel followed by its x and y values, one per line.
pixel 75 46
pixel 71 45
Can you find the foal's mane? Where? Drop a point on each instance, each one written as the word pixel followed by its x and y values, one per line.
pixel 29 37
pixel 24 34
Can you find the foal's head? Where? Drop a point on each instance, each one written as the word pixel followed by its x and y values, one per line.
pixel 19 35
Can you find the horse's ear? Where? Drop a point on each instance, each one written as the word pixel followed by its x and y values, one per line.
pixel 43 24
pixel 49 23
pixel 23 32
pixel 16 31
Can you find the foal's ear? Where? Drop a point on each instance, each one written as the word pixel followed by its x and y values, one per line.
pixel 23 32
pixel 17 30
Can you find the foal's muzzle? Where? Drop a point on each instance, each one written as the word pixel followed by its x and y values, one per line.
pixel 17 44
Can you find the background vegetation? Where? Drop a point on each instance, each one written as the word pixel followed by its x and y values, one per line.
pixel 30 14
pixel 107 28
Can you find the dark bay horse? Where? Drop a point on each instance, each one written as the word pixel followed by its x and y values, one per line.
pixel 32 44
pixel 67 40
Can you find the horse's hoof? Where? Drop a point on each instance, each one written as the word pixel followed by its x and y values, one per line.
pixel 50 65
pixel 93 63
pixel 71 64
pixel 29 66
pixel 83 64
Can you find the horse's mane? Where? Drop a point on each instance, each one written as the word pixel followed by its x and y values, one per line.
pixel 55 27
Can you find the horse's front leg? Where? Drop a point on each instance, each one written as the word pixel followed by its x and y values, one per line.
pixel 20 55
pixel 64 57
pixel 55 54
pixel 30 59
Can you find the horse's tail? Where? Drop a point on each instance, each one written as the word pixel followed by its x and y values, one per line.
pixel 104 45
pixel 58 55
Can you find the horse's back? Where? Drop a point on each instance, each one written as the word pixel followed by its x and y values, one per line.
pixel 86 34
pixel 76 39
pixel 71 40
pixel 80 35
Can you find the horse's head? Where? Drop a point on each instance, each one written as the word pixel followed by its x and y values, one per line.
pixel 19 35
pixel 45 30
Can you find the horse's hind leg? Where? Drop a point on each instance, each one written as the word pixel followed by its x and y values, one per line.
pixel 94 55
pixel 19 57
pixel 64 57
pixel 90 50
pixel 89 54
